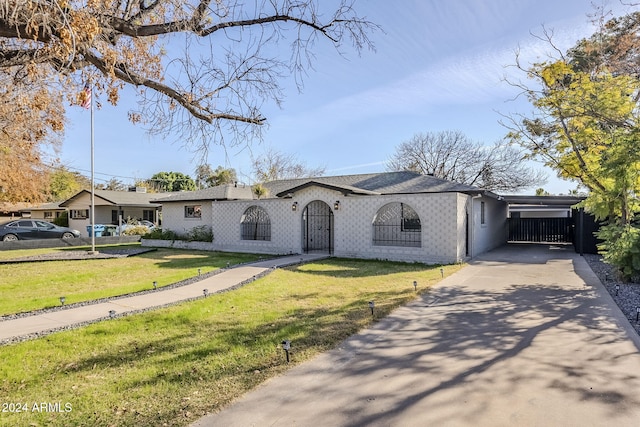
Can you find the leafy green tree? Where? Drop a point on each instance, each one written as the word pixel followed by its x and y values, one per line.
pixel 586 127
pixel 172 181
pixel 222 176
pixel 259 190
pixel 63 184
pixel 203 172
pixel 583 126
pixel 207 177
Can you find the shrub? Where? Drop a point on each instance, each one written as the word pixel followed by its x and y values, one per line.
pixel 621 248
pixel 202 233
pixel 136 230
pixel 160 234
pixel 62 220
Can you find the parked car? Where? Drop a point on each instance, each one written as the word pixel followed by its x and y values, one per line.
pixel 28 229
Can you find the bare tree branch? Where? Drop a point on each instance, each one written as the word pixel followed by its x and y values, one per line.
pixel 451 155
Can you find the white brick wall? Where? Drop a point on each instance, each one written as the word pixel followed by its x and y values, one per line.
pixel 354 230
pixel 442 216
pixel 173 216
pixel 285 227
pixel 494 231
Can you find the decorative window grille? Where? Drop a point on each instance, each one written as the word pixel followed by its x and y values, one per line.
pixel 397 224
pixel 255 224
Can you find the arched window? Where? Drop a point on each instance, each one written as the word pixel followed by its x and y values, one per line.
pixel 255 224
pixel 397 224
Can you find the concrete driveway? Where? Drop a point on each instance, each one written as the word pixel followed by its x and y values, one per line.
pixel 524 336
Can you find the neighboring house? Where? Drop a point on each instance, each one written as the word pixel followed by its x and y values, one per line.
pixel 401 216
pixel 111 207
pixel 9 211
pixel 189 209
pixel 46 211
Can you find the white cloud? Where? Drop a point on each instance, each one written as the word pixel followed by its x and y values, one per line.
pixel 467 78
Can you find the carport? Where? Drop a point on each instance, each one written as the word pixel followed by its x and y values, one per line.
pixel 551 219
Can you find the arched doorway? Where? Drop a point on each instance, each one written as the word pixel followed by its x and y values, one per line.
pixel 317 227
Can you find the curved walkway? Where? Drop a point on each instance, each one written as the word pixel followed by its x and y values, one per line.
pixel 525 335
pixel 42 323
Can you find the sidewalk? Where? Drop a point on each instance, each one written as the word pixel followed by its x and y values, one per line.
pixel 51 321
pixel 525 335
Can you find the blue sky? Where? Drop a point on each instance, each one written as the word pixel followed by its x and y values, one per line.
pixel 439 65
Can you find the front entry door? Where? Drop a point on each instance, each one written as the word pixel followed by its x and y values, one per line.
pixel 317 227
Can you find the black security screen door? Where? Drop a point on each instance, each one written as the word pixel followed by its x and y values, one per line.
pixel 317 227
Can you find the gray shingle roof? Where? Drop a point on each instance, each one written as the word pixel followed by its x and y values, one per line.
pixel 45 207
pixel 376 183
pixel 365 184
pixel 118 198
pixel 219 192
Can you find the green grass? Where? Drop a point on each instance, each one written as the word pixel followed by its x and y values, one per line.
pixel 37 285
pixel 172 366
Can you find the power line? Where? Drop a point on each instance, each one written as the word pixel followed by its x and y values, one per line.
pixel 98 173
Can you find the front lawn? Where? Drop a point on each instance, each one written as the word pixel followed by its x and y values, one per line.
pixel 37 285
pixel 172 366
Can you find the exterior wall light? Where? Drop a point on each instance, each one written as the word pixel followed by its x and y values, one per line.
pixel 294 206
pixel 336 205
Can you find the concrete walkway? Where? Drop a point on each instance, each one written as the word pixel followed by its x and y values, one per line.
pixel 48 321
pixel 524 336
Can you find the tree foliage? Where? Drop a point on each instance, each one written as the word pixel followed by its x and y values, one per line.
pixel 273 165
pixel 451 155
pixel 114 184
pixel 202 68
pixel 207 177
pixel 30 126
pixel 613 49
pixel 586 127
pixel 64 184
pixel 172 181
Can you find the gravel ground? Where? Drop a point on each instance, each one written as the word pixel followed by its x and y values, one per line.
pixel 627 296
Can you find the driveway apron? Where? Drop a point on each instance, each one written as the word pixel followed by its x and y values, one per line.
pixel 525 335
